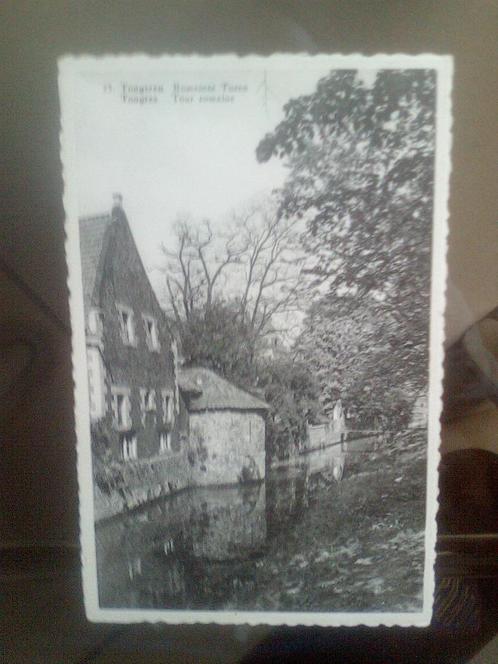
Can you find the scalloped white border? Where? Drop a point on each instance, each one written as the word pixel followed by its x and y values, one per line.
pixel 69 69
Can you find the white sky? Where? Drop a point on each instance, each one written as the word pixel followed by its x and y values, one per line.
pixel 169 158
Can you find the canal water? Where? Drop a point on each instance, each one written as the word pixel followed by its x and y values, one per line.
pixel 200 549
pixel 298 541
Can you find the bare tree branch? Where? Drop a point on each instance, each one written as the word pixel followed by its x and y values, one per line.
pixel 252 263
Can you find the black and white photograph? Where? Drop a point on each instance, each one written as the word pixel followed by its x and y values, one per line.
pixel 256 251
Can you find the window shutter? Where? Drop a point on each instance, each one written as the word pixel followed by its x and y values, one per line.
pixel 131 329
pixel 114 404
pixel 122 325
pixel 128 410
pixel 150 339
pixel 143 392
pixel 164 395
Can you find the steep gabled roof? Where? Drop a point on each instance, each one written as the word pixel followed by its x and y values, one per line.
pixel 93 245
pixel 217 393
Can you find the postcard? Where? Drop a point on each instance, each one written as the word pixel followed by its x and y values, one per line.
pixel 256 250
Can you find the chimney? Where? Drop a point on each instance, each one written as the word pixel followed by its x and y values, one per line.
pixel 117 206
pixel 117 201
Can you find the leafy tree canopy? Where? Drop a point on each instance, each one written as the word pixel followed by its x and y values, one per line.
pixel 360 160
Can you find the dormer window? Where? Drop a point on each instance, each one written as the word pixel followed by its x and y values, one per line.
pixel 126 325
pixel 151 334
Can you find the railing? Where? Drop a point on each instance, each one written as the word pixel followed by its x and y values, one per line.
pixel 344 439
pixel 359 435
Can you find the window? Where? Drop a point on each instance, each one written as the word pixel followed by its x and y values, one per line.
pixel 126 325
pixel 151 334
pixel 96 322
pixel 134 568
pixel 96 382
pixel 168 407
pixel 121 407
pixel 150 400
pixel 168 546
pixel 129 446
pixel 147 400
pixel 165 441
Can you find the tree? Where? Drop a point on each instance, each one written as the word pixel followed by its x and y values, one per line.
pixel 361 167
pixel 350 351
pixel 251 265
pixel 291 391
pixel 218 339
pixel 196 266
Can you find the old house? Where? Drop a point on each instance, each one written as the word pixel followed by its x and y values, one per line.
pixel 142 405
pixel 135 405
pixel 227 429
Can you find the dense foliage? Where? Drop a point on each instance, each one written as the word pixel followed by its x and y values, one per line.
pixel 361 164
pixel 220 340
pixel 292 393
pixel 360 157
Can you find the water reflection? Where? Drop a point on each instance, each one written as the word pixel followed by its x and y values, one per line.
pixel 199 549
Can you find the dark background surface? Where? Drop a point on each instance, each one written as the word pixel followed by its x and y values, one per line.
pixel 38 462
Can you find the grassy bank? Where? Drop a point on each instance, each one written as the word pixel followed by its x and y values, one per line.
pixel 358 546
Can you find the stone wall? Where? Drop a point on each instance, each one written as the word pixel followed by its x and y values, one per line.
pixel 227 447
pixel 122 486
